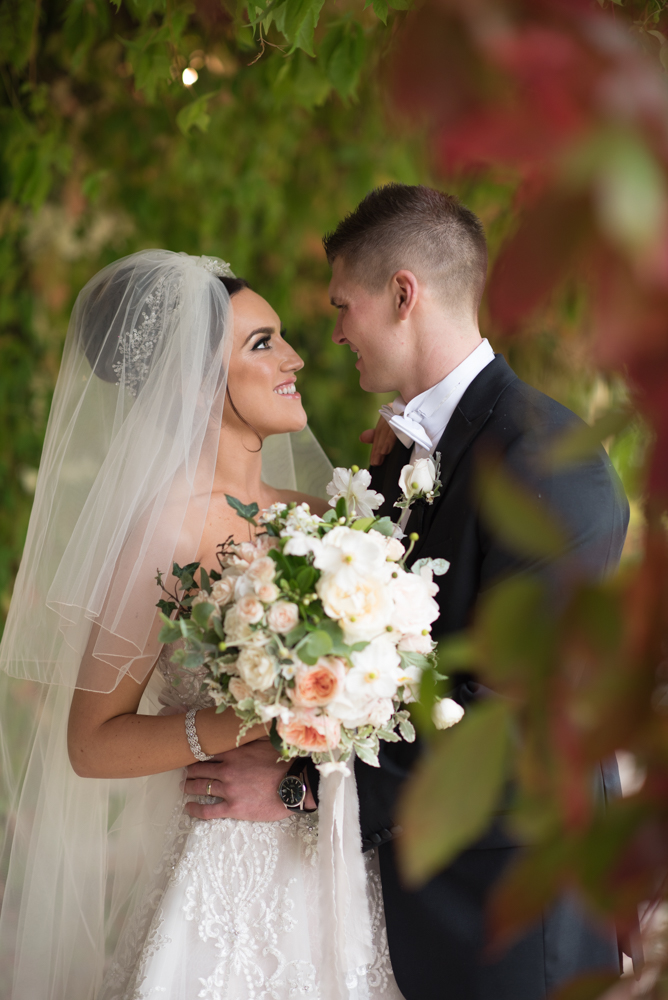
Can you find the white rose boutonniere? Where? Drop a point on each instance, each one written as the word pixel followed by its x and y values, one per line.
pixel 420 481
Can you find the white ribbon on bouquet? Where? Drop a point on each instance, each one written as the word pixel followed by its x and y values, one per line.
pixel 344 906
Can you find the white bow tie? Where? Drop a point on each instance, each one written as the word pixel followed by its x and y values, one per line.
pixel 407 427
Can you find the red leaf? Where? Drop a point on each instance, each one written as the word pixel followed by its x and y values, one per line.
pixel 536 259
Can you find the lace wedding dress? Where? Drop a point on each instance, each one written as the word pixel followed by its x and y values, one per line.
pixel 231 914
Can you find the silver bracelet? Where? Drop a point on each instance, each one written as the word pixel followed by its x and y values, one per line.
pixel 191 733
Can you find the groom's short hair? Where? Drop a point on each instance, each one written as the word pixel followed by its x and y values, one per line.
pixel 414 227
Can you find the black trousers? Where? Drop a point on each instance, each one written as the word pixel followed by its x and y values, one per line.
pixel 437 936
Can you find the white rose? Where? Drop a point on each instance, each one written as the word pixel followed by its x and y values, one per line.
pixel 282 617
pixel 418 478
pixel 201 597
pixel 236 628
pixel 239 689
pixel 249 609
pixel 257 668
pixel 222 591
pixel 262 570
pixel 422 643
pixel 267 593
pixel 363 606
pixel 446 713
pixel 414 607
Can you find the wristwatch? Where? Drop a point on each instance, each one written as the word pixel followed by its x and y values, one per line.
pixel 292 789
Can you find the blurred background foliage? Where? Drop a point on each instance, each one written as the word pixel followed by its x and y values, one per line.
pixel 283 126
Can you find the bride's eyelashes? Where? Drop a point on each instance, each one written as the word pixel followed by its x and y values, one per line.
pixel 262 344
pixel 265 342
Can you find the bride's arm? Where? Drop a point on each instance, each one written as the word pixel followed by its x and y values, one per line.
pixel 106 738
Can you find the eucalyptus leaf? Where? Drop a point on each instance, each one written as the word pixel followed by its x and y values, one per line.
pixel 384 526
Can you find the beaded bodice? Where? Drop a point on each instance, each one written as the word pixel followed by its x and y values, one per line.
pixel 183 687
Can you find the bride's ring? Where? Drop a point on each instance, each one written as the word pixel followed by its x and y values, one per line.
pixel 208 788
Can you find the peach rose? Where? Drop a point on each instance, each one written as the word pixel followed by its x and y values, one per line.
pixel 249 609
pixel 319 684
pixel 308 731
pixel 267 593
pixel 239 689
pixel 283 616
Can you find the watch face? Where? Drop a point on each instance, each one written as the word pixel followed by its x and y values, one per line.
pixel 292 791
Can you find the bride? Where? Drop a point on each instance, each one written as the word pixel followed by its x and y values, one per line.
pixel 177 388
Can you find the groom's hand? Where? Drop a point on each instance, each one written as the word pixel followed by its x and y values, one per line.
pixel 246 782
pixel 381 438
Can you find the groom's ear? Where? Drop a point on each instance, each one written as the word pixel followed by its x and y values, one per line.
pixel 404 286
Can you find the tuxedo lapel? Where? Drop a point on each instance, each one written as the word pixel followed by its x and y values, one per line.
pixel 475 408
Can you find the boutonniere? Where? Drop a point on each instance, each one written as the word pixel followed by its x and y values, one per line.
pixel 420 481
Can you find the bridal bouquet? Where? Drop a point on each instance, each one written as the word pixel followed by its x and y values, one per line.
pixel 316 626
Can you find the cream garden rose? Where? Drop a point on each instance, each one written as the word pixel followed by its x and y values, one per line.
pixel 257 668
pixel 250 609
pixel 283 616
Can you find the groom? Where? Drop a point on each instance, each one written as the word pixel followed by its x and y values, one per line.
pixel 408 273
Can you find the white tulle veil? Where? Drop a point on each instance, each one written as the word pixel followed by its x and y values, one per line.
pixel 123 489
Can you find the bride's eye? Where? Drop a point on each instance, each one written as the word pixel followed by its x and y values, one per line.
pixel 262 344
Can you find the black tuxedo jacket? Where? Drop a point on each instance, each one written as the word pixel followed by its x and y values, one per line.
pixel 436 935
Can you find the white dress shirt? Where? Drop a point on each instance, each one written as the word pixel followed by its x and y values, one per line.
pixel 425 418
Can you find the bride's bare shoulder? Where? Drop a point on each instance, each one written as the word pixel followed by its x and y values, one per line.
pixel 317 504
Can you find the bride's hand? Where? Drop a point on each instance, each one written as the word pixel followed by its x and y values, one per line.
pixel 246 781
pixel 381 438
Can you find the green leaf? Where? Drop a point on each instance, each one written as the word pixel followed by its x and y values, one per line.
pixel 195 115
pixel 517 517
pixel 380 10
pixel 295 634
pixel 274 738
pixel 329 516
pixel 362 523
pixel 201 614
pixel 167 607
pixel 407 730
pixel 245 510
pixel 315 645
pixel 343 53
pixel 299 23
pixel 583 442
pixel 169 632
pixel 385 526
pixel 305 579
pixel 400 4
pixel 341 508
pixel 454 790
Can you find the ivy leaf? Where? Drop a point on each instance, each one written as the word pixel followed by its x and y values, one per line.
pixel 195 115
pixel 343 53
pixel 245 510
pixel 301 18
pixel 380 10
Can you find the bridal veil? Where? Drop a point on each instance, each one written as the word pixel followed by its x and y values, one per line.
pixel 123 490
